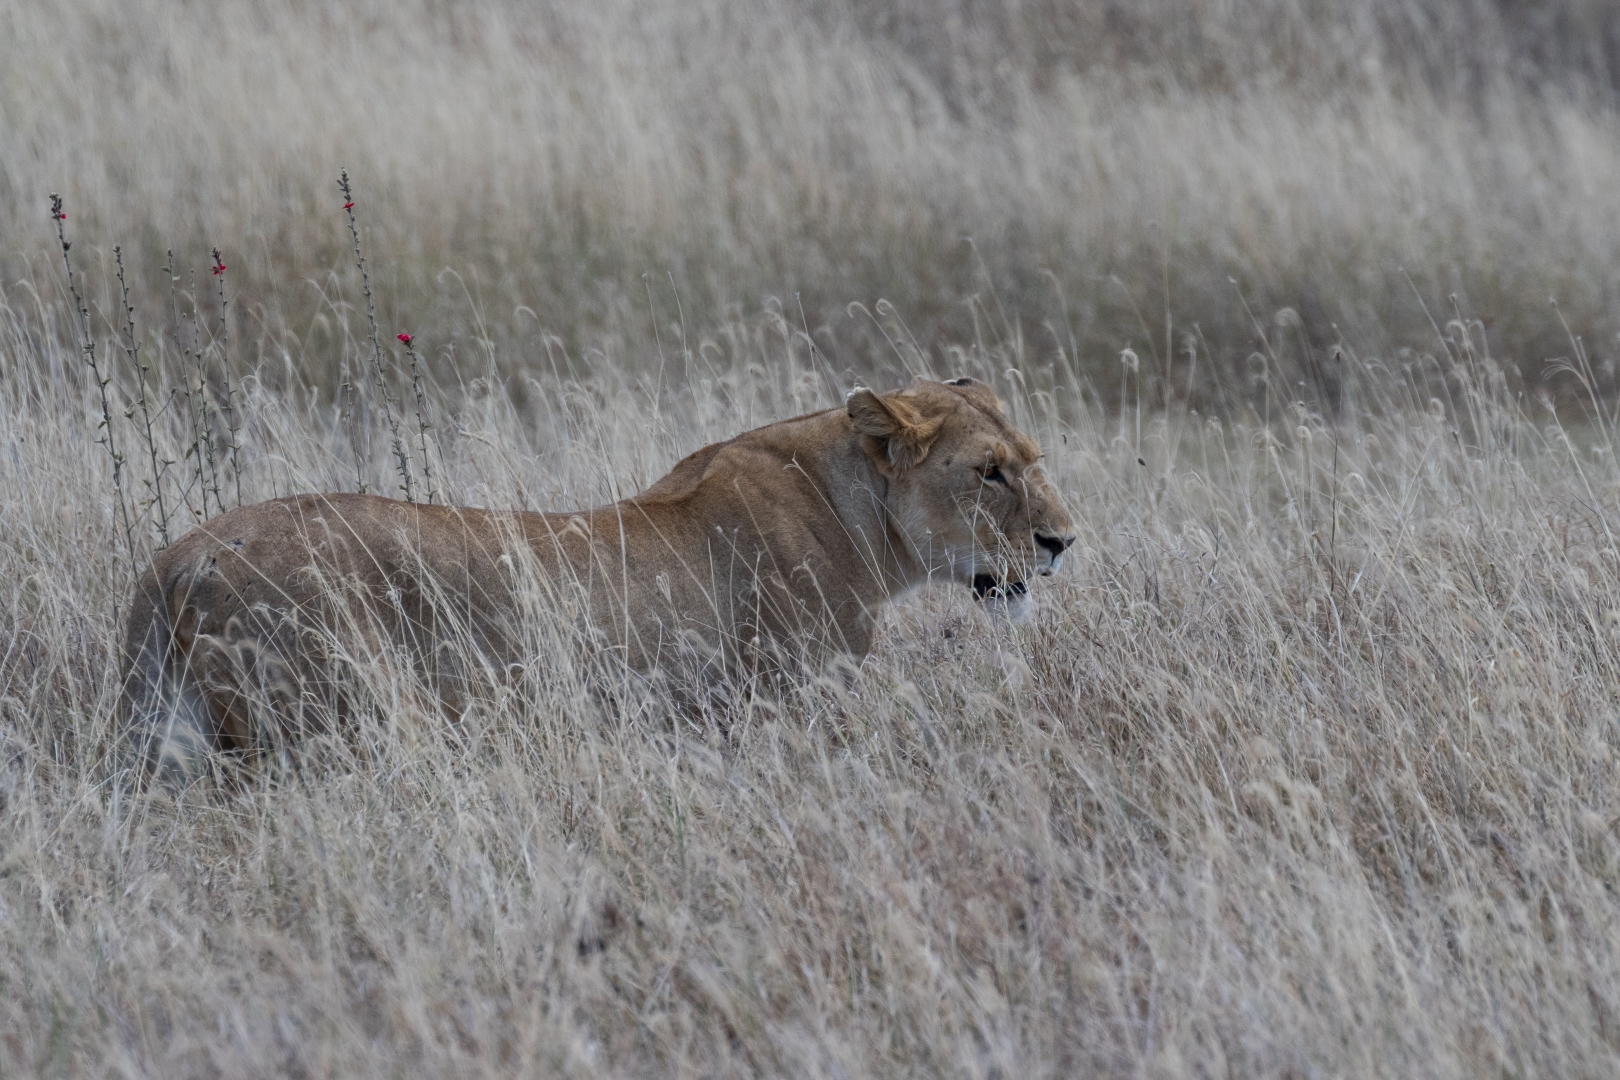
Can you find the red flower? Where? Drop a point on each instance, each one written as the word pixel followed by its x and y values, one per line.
pixel 406 338
pixel 60 215
pixel 219 268
pixel 348 206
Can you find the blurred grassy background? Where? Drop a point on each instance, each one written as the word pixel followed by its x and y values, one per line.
pixel 1077 177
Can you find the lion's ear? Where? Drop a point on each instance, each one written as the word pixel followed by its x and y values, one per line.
pixel 891 430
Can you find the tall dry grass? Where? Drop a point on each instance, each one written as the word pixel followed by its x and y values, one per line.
pixel 1305 766
pixel 1116 167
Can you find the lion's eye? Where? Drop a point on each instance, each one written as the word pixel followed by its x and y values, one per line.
pixel 992 474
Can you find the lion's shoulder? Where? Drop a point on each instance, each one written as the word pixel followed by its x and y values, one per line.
pixel 687 473
pixel 755 457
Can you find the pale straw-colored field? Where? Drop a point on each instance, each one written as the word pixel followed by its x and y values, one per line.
pixel 1304 766
pixel 1112 164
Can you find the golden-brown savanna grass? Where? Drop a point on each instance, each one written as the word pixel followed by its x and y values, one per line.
pixel 1305 765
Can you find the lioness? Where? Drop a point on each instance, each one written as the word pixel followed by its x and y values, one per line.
pixel 782 542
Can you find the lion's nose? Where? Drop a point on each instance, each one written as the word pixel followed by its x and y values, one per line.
pixel 1057 545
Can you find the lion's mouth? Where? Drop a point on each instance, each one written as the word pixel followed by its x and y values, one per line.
pixel 986 587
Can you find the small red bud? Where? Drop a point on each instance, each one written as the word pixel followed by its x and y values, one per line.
pixel 348 206
pixel 406 338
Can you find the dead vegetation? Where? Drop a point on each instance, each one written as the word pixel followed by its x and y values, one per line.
pixel 1306 765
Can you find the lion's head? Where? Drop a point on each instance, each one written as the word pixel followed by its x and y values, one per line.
pixel 966 488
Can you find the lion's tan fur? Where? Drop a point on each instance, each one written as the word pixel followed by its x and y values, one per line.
pixel 784 541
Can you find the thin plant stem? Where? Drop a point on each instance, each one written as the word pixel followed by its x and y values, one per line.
pixel 228 407
pixel 132 349
pixel 87 345
pixel 202 428
pixel 402 458
pixel 346 416
pixel 423 415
